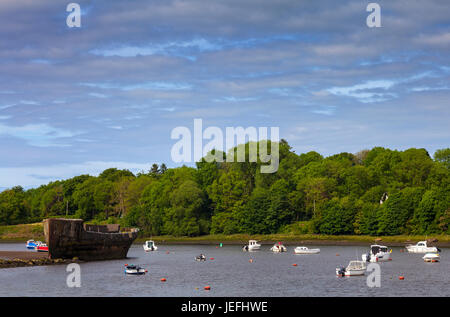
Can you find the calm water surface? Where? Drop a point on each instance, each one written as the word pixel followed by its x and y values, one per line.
pixel 231 274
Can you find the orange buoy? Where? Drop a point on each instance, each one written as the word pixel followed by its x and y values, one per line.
pixel 337 254
pixel 207 288
pixel 251 260
pixel 167 252
pixel 126 264
pixel 163 279
pixel 401 277
pixel 295 264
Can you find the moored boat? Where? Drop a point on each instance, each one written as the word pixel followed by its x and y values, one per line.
pixel 150 246
pixel 377 253
pixel 305 250
pixel 31 244
pixel 354 268
pixel 432 257
pixel 253 245
pixel 134 270
pixel 200 257
pixel 42 247
pixel 278 247
pixel 421 247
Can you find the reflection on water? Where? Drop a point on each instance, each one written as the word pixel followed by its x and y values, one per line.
pixel 232 274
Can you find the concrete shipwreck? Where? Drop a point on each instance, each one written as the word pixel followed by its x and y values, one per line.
pixel 69 238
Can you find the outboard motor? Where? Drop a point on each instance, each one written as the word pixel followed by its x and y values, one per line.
pixel 341 271
pixel 368 257
pixel 439 250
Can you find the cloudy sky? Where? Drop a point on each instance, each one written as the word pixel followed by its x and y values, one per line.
pixel 108 94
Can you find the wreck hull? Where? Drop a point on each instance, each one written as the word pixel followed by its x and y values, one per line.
pixel 68 238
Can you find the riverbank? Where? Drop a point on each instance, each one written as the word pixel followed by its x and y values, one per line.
pixel 306 239
pixel 24 232
pixel 9 259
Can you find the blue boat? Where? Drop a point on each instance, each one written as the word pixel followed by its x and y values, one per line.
pixel 31 244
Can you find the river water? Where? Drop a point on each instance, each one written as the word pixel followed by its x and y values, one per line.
pixel 231 274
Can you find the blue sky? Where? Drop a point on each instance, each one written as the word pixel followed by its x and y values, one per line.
pixel 108 94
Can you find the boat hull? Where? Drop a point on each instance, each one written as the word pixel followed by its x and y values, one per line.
pixel 277 249
pixel 431 258
pixel 69 238
pixel 414 249
pixel 377 258
pixel 310 251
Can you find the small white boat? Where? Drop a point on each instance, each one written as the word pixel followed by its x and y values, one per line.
pixel 134 270
pixel 305 250
pixel 377 253
pixel 354 268
pixel 150 246
pixel 278 247
pixel 431 257
pixel 200 257
pixel 252 246
pixel 421 247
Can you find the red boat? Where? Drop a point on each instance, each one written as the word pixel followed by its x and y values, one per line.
pixel 42 248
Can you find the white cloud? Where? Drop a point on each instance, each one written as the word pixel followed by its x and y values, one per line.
pixel 33 176
pixel 365 92
pixel 41 135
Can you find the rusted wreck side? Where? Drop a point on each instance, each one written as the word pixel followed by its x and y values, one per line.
pixel 69 238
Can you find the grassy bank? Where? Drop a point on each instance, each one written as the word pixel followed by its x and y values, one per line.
pixel 20 233
pixel 241 239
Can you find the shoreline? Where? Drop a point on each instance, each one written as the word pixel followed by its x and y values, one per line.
pixel 290 240
pixel 12 259
pixel 395 241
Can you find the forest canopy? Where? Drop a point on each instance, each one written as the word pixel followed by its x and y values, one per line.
pixel 372 192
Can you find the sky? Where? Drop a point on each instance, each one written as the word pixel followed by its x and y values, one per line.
pixel 108 94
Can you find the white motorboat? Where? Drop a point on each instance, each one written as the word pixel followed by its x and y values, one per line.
pixel 253 245
pixel 431 257
pixel 278 247
pixel 134 270
pixel 305 250
pixel 421 247
pixel 377 253
pixel 354 268
pixel 200 257
pixel 150 246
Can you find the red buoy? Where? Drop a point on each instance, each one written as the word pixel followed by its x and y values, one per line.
pixel 401 277
pixel 295 264
pixel 163 279
pixel 207 288
pixel 211 258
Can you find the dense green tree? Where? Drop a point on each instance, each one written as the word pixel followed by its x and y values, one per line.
pixel 443 156
pixel 338 194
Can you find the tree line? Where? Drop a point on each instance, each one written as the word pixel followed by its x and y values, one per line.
pixel 373 192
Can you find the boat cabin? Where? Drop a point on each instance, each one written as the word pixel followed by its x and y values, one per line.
pixel 375 249
pixel 252 242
